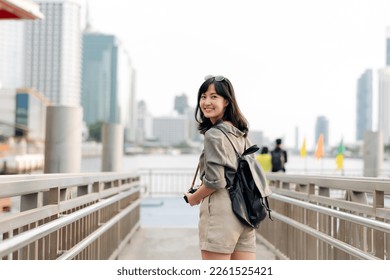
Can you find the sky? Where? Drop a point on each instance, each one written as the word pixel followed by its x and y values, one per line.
pixel 289 61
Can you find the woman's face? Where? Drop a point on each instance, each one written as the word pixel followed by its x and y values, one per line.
pixel 212 105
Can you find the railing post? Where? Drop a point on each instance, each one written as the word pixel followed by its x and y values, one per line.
pixel 379 237
pixel 311 220
pixel 150 188
pixel 279 235
pixel 325 225
pixel 51 241
pixel 289 231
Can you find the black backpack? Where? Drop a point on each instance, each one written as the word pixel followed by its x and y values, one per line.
pixel 277 159
pixel 248 188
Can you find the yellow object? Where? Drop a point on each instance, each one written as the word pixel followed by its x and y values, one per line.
pixel 340 161
pixel 340 156
pixel 303 151
pixel 265 161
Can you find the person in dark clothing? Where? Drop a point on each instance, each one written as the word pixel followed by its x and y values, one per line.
pixel 279 157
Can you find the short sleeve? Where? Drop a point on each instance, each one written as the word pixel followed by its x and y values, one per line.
pixel 214 160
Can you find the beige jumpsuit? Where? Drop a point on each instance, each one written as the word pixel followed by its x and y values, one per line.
pixel 219 229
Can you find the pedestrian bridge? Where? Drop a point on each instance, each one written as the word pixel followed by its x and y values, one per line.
pixel 97 216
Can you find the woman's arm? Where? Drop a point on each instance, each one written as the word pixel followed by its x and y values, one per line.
pixel 196 197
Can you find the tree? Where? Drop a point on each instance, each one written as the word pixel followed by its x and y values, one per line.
pixel 95 131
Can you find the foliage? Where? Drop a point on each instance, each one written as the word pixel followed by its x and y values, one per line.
pixel 95 131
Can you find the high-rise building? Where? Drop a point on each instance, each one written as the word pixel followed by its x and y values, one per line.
pixel 364 104
pixel 194 132
pixel 296 145
pixel 182 108
pixel 107 82
pixel 144 122
pixel 384 103
pixel 171 131
pixel 388 47
pixel 53 52
pixel 30 114
pixel 322 127
pixel 11 54
pixel 181 103
pixel 99 75
pixel 11 72
pixel 257 137
pixel 7 112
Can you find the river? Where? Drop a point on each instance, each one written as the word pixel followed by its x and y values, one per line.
pixel 295 164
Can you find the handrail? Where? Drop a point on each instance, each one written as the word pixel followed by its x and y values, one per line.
pixel 335 182
pixel 81 216
pixel 328 217
pixel 97 233
pixel 385 227
pixel 19 185
pixel 9 245
pixel 330 240
pixel 307 222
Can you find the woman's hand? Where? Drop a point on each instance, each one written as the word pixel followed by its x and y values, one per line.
pixel 196 197
pixel 191 199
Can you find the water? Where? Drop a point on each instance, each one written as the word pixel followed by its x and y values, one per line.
pixel 295 164
pixel 135 162
pixel 174 212
pixel 158 211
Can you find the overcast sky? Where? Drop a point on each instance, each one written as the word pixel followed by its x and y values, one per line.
pixel 290 61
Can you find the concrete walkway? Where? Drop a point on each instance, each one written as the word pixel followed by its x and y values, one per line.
pixel 172 244
pixel 169 232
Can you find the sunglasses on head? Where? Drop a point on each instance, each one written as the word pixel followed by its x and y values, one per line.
pixel 217 78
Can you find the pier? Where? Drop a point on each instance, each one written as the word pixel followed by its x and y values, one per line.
pixel 112 216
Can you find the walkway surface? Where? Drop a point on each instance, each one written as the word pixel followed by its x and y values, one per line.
pixel 169 232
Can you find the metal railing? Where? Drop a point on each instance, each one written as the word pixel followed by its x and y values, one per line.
pixel 315 217
pixel 69 216
pixel 166 181
pixel 318 217
pixel 93 216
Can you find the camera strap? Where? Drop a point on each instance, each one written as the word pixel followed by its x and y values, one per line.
pixel 196 173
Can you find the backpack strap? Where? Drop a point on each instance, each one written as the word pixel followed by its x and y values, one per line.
pixel 266 203
pixel 235 150
pixel 196 173
pixel 250 150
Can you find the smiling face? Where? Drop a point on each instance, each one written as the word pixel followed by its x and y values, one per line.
pixel 212 105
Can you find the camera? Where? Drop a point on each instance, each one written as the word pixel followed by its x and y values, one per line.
pixel 191 190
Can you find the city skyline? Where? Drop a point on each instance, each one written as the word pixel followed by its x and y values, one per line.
pixel 289 110
pixel 289 62
pixel 52 47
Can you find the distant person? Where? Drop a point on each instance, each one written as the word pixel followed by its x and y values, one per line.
pixel 279 157
pixel 264 159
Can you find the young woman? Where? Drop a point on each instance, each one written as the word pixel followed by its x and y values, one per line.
pixel 221 234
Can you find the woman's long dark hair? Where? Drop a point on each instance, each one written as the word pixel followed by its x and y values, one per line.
pixel 232 113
